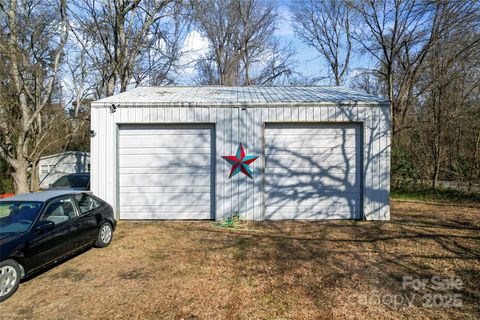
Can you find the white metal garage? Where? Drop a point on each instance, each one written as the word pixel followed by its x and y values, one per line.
pixel 165 172
pixel 323 153
pixel 312 171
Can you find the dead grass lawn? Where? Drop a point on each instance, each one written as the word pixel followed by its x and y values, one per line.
pixel 282 270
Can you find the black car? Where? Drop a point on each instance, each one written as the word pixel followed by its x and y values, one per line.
pixel 38 229
pixel 75 181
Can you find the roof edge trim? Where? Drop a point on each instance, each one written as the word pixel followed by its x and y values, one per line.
pixel 236 104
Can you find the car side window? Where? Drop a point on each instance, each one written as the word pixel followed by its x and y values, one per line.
pixel 86 203
pixel 59 210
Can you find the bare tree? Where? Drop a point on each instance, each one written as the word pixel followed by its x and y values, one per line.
pixel 367 81
pixel 449 81
pixel 218 21
pixel 474 170
pixel 243 49
pixel 399 34
pixel 386 27
pixel 31 45
pixel 434 90
pixel 116 34
pixel 326 26
pixel 257 24
pixel 389 29
pixel 159 61
pixel 57 134
pixel 78 78
pixel 277 66
pixel 79 84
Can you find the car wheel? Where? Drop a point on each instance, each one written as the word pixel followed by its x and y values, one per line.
pixel 104 235
pixel 9 278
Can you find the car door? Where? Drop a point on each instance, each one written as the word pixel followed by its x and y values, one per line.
pixel 89 218
pixel 49 245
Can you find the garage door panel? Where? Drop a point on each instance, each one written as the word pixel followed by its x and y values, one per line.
pixel 311 213
pixel 314 150
pixel 308 188
pixel 164 151
pixel 300 213
pixel 308 199
pixel 165 180
pixel 327 193
pixel 165 169
pixel 341 136
pixel 166 209
pixel 310 209
pixel 166 199
pixel 157 215
pixel 132 190
pixel 333 169
pixel 136 161
pixel 302 142
pixel 140 131
pixel 320 180
pixel 319 161
pixel 165 172
pixel 312 171
pixel 167 141
pixel 311 130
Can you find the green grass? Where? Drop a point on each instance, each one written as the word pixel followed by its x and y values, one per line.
pixel 231 222
pixel 435 195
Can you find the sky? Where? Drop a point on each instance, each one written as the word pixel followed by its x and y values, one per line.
pixel 308 61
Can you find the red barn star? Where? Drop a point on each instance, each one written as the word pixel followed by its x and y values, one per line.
pixel 240 162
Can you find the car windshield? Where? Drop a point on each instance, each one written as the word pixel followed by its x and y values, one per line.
pixel 72 181
pixel 18 216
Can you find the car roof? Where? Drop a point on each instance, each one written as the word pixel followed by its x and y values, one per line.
pixel 42 196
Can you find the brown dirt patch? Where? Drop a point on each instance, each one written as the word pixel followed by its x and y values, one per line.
pixel 281 270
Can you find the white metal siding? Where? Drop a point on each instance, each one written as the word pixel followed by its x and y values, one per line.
pixel 165 172
pixel 234 125
pixel 62 164
pixel 312 171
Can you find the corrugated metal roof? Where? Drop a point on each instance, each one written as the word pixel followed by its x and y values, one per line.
pixel 219 95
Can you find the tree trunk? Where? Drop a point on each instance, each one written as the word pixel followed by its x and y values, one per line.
pixel 124 80
pixel 436 166
pixel 34 177
pixel 247 72
pixel 391 98
pixel 435 175
pixel 110 86
pixel 338 80
pixel 20 176
pixel 473 167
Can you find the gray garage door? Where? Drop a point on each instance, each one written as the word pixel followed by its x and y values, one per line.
pixel 166 172
pixel 313 171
